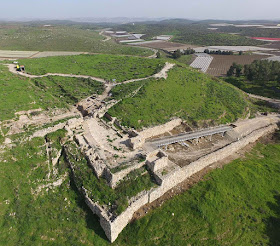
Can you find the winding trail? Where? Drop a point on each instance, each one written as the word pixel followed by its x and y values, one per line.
pixel 107 38
pixel 162 74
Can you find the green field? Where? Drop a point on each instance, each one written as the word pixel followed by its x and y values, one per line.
pixel 187 94
pixel 187 32
pixel 61 38
pixel 268 89
pixel 20 93
pixel 237 205
pixel 108 67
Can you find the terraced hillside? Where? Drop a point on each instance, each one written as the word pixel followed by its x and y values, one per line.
pixel 61 38
pixel 187 94
pixel 107 67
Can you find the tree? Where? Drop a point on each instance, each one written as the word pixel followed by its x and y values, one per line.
pixel 240 53
pixel 158 55
pixel 177 54
pixel 238 69
pixel 230 72
pixel 206 51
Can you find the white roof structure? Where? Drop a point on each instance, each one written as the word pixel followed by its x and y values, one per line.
pixel 202 62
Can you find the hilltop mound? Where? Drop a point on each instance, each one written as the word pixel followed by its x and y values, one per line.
pixel 108 67
pixel 186 93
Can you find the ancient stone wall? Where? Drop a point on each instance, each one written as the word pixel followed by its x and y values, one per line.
pixel 113 227
pixel 180 175
pixel 114 178
pixel 158 130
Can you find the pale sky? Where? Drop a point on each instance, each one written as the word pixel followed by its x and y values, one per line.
pixel 189 9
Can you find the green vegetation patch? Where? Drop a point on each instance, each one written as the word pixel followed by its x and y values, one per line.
pixel 20 93
pixel 108 67
pixel 61 38
pixel 260 78
pixel 54 216
pixel 187 94
pixel 210 39
pixel 268 89
pixel 236 205
pixel 121 91
pixel 190 33
pixel 98 189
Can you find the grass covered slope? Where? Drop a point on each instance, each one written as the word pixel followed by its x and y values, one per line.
pixel 61 38
pixel 269 89
pixel 20 93
pixel 187 94
pixel 108 67
pixel 236 205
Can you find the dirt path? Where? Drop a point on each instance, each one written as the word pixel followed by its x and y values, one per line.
pixel 275 102
pixel 107 38
pixel 12 69
pixel 161 74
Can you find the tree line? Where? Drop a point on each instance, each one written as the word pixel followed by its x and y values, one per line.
pixel 178 53
pixel 260 71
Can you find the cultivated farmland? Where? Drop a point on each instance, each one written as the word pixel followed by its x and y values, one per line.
pixel 221 64
pixel 167 46
pixel 61 38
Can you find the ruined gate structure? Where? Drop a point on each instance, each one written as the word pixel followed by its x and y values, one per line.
pixel 167 174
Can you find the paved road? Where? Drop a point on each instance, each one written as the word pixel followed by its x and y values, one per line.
pixel 189 136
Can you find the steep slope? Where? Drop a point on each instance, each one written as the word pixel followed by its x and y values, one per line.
pixel 187 94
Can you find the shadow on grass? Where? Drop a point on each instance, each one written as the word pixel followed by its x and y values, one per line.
pixel 273 222
pixel 92 220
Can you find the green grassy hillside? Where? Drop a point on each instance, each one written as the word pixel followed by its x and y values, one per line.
pixel 61 38
pixel 103 66
pixel 187 94
pixel 236 205
pixel 20 93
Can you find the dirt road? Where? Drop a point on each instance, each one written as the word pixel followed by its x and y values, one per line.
pixel 161 74
pixel 275 102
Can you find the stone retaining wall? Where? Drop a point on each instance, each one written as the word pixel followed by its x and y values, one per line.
pixel 158 130
pixel 114 178
pixel 113 227
pixel 140 137
pixel 180 175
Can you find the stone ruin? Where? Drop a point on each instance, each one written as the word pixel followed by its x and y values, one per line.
pixel 167 174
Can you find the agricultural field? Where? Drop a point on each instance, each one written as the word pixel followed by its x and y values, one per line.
pixel 221 64
pixel 23 37
pixel 187 94
pixel 167 46
pixel 188 33
pixel 251 31
pixel 20 93
pixel 107 67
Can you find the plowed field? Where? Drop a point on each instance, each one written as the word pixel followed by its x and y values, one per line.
pixel 221 63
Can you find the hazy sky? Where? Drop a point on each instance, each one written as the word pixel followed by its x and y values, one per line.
pixel 192 9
